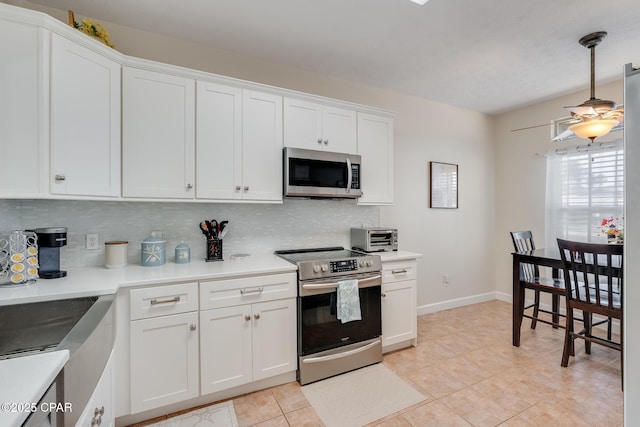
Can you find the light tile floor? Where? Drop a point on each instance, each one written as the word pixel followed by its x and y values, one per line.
pixel 473 376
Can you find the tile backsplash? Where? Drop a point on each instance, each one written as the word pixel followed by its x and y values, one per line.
pixel 252 228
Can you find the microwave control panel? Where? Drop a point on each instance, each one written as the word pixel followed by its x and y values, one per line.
pixel 355 177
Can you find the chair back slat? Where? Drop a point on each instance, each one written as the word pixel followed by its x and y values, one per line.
pixel 593 276
pixel 523 241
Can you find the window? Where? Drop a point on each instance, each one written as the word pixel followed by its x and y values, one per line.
pixel 584 185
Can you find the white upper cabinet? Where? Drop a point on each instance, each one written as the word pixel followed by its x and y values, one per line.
pixel 218 141
pixel 158 135
pixel 319 127
pixel 239 144
pixel 375 145
pixel 23 111
pixel 261 146
pixel 85 121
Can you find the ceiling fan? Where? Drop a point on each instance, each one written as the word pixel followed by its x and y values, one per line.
pixel 595 117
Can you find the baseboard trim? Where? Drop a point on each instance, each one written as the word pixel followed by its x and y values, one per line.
pixel 458 302
pixel 501 296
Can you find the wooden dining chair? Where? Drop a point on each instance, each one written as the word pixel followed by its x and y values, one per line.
pixel 594 273
pixel 530 279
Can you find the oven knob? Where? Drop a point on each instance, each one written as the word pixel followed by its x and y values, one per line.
pixel 369 263
pixel 316 268
pixel 325 267
pixel 361 263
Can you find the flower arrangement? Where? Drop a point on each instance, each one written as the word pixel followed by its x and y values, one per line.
pixel 94 29
pixel 613 228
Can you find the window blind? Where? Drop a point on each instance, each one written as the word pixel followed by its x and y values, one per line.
pixel 584 185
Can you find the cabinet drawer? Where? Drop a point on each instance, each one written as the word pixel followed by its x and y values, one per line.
pixel 163 300
pixel 394 271
pixel 225 293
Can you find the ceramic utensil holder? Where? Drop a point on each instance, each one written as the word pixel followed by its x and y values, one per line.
pixel 115 254
pixel 214 250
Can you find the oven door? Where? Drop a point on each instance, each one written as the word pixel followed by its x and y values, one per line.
pixel 310 173
pixel 318 327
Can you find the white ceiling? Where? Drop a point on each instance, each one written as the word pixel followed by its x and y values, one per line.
pixel 486 55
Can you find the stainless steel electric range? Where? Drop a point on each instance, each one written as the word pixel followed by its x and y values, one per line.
pixel 326 346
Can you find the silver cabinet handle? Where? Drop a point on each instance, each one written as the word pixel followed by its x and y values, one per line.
pixel 247 317
pixel 238 188
pixel 319 140
pixel 404 270
pixel 256 316
pixel 246 188
pixel 383 295
pixel 60 177
pixel 166 301
pixel 251 291
pixel 192 327
pixel 326 142
pixel 189 186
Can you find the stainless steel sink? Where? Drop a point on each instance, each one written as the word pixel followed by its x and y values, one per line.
pixel 84 326
pixel 41 326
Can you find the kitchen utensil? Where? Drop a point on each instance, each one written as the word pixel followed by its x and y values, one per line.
pixel 154 250
pixel 204 229
pixel 183 253
pixel 115 254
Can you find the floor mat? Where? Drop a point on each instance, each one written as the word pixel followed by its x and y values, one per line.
pixel 220 415
pixel 360 397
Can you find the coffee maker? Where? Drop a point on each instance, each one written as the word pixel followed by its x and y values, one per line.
pixel 50 240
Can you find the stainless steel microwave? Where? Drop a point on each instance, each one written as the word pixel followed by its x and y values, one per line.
pixel 311 173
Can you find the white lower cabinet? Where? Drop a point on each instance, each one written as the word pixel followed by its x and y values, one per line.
pixel 248 330
pixel 164 349
pixel 247 343
pixel 399 317
pixel 99 410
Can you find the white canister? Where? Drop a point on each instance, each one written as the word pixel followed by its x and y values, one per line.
pixel 115 254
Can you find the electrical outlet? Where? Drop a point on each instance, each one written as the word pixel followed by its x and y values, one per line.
pixel 445 280
pixel 92 241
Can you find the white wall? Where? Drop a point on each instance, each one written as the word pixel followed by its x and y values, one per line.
pixel 521 171
pixel 455 242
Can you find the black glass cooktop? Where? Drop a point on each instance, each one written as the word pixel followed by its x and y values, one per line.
pixel 318 254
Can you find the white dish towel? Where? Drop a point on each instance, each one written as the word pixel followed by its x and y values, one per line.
pixel 348 301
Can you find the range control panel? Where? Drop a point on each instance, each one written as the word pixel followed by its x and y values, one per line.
pixel 342 266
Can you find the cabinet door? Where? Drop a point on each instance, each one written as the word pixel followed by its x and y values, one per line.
pixel 375 145
pixel 158 135
pixel 261 146
pixel 274 338
pixel 339 130
pixel 218 141
pixel 23 111
pixel 164 360
pixel 85 121
pixel 302 124
pixel 99 409
pixel 399 321
pixel 225 348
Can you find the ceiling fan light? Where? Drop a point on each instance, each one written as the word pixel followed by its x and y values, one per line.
pixel 592 129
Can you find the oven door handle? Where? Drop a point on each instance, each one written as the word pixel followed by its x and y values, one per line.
pixel 343 354
pixel 335 285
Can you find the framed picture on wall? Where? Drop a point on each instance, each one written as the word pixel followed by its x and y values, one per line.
pixel 443 188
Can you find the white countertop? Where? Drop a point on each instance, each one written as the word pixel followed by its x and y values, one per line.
pixel 25 380
pixel 397 255
pixel 95 281
pixel 90 281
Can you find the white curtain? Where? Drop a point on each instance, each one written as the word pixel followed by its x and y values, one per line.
pixel 584 185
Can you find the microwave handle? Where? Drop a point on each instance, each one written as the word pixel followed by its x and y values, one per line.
pixel 349 175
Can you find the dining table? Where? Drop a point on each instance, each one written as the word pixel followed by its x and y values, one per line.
pixel 542 257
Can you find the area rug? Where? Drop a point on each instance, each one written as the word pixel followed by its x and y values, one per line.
pixel 360 397
pixel 220 415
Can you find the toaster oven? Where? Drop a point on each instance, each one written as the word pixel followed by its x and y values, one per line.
pixel 374 239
